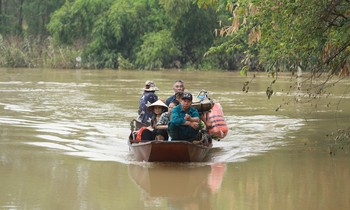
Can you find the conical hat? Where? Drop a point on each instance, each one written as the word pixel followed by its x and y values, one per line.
pixel 157 103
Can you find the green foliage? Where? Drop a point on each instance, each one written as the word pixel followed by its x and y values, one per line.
pixel 60 56
pixel 5 26
pixel 273 35
pixel 18 17
pixel 212 63
pixel 176 9
pixel 243 71
pixel 75 19
pixel 121 30
pixel 124 63
pixel 194 33
pixel 37 15
pixel 113 31
pixel 126 25
pixel 35 52
pixel 13 53
pixel 287 34
pixel 158 50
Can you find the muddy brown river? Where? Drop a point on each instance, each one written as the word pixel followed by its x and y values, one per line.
pixel 63 144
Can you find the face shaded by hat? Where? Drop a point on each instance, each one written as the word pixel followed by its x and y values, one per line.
pixel 157 103
pixel 150 86
pixel 187 95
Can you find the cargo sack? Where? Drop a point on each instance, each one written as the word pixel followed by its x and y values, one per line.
pixel 215 122
pixel 202 102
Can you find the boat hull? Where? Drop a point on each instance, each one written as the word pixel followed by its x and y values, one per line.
pixel 169 151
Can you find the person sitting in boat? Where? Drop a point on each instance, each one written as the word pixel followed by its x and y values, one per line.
pixel 164 119
pixel 158 108
pixel 148 97
pixel 185 120
pixel 178 96
pixel 151 132
pixel 178 86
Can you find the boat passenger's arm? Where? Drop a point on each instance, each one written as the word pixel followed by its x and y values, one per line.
pixel 191 119
pixel 161 127
pixel 193 124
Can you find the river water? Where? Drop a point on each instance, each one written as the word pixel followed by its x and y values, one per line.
pixel 63 144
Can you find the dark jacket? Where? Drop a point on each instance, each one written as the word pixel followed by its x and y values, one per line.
pixel 146 99
pixel 170 99
pixel 176 129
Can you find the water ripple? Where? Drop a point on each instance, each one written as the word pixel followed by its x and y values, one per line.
pixel 85 120
pixel 253 135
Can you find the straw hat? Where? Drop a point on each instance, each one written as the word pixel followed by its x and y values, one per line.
pixel 157 103
pixel 150 86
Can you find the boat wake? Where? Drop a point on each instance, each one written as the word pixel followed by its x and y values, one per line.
pixel 65 118
pixel 248 136
pixel 253 135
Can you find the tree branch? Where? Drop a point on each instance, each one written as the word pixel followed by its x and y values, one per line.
pixel 336 54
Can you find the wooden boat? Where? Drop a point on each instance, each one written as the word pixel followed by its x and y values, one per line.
pixel 169 151
pixel 175 150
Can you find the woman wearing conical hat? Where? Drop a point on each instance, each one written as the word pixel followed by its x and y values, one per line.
pixel 158 108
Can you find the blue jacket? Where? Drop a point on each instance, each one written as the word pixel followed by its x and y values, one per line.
pixel 146 98
pixel 170 99
pixel 177 114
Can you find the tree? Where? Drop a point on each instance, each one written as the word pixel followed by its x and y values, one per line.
pixel 158 50
pixel 23 17
pixel 309 34
pixel 76 20
pixel 194 32
pixel 120 32
pixel 284 35
pixel 117 29
pixel 37 15
pixel 193 29
pixel 11 16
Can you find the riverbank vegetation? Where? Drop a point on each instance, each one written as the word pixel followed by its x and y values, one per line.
pixel 262 35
